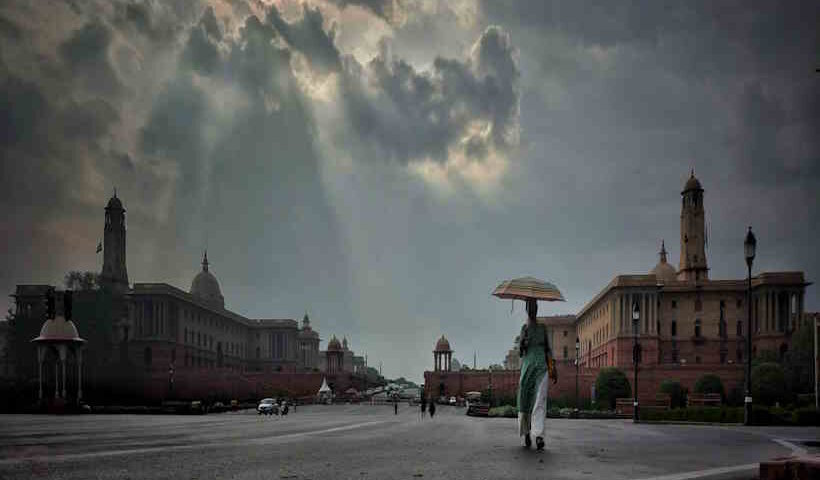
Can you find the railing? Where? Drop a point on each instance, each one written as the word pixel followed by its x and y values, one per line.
pixel 703 400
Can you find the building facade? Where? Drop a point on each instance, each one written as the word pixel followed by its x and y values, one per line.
pixel 162 340
pixel 689 324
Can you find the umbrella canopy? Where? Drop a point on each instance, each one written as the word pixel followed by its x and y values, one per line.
pixel 324 388
pixel 526 288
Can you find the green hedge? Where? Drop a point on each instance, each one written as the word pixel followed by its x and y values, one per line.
pixel 710 383
pixel 503 411
pixel 695 414
pixel 676 392
pixel 761 415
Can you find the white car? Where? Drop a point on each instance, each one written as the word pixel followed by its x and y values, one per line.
pixel 453 400
pixel 267 406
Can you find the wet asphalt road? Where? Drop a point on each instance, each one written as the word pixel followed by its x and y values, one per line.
pixel 369 442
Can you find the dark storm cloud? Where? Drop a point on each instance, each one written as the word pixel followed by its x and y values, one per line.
pixel 382 8
pixel 85 54
pixel 307 35
pixel 419 115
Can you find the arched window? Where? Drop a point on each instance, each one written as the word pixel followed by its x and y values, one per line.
pixel 697 328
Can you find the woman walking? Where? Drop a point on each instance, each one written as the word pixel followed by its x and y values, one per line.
pixel 432 408
pixel 423 406
pixel 537 367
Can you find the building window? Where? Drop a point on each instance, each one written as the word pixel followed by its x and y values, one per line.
pixel 697 359
pixel 722 357
pixel 674 304
pixel 722 304
pixel 697 328
pixel 740 355
pixel 565 333
pixel 147 356
pixel 674 328
pixel 658 327
pixel 740 328
pixel 698 305
pixel 739 302
pixel 565 352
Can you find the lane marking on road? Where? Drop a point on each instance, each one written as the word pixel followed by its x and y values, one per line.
pixel 796 449
pixel 706 473
pixel 170 448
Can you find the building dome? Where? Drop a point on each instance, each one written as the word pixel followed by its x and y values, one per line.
pixel 333 345
pixel 663 271
pixel 206 287
pixel 442 345
pixel 58 330
pixel 692 183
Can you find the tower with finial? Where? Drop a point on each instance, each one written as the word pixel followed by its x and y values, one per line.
pixel 114 271
pixel 692 265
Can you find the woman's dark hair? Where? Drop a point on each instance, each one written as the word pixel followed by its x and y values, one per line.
pixel 532 308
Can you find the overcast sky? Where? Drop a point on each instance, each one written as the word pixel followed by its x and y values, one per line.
pixel 384 164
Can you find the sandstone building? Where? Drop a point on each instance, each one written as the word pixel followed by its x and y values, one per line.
pixel 188 341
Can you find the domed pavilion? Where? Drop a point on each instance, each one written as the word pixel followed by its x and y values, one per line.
pixel 442 355
pixel 59 341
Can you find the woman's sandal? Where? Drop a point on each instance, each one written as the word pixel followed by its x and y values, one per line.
pixel 539 443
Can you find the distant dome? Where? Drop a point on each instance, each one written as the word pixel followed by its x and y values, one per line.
pixel 334 345
pixel 58 330
pixel 442 345
pixel 206 287
pixel 663 271
pixel 692 183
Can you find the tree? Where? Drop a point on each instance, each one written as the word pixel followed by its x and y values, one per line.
pixel 610 385
pixel 798 363
pixel 676 392
pixel 710 383
pixel 768 383
pixel 83 281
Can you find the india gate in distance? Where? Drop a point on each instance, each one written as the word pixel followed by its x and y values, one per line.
pixel 690 323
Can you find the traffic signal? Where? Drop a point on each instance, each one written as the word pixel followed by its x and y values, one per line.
pixel 67 304
pixel 51 308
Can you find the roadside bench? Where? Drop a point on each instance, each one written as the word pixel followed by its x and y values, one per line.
pixel 703 400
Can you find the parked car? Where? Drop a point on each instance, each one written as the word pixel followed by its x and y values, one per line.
pixel 452 400
pixel 267 406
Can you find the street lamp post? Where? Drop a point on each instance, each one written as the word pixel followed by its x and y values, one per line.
pixel 636 352
pixel 171 380
pixel 577 367
pixel 749 247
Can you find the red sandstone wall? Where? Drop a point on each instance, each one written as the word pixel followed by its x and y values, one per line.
pixel 505 382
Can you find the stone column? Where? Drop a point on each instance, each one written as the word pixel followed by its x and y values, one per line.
pixel 776 312
pixel 79 354
pixel 41 353
pixel 62 350
pixel 56 379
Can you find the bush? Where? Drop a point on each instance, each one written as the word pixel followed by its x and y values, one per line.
pixel 696 414
pixel 807 416
pixel 503 411
pixel 768 384
pixel 675 390
pixel 736 396
pixel 709 383
pixel 611 384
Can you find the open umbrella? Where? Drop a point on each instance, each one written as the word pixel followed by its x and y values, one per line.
pixel 526 288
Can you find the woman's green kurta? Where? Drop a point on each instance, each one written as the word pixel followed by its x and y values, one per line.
pixel 533 365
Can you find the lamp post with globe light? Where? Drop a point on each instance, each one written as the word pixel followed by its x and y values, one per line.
pixel 636 357
pixel 577 367
pixel 749 248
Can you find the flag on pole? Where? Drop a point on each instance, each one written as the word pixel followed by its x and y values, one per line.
pixel 99 247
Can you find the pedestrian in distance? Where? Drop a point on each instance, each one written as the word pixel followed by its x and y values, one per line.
pixel 537 369
pixel 395 407
pixel 423 407
pixel 432 408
